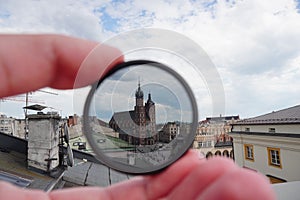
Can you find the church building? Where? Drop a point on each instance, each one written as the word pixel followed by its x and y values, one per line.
pixel 138 126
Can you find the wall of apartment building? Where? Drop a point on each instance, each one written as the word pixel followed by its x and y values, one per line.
pixel 279 128
pixel 289 151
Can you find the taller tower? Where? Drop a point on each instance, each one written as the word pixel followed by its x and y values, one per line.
pixel 139 96
pixel 140 115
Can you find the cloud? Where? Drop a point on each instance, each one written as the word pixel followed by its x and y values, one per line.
pixel 119 95
pixel 254 44
pixel 64 17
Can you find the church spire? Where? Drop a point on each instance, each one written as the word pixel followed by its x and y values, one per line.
pixel 139 84
pixel 149 101
pixel 139 93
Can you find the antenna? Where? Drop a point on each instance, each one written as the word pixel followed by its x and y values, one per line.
pixel 47 92
pixel 26 110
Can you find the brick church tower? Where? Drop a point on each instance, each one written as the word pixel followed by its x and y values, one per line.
pixel 145 118
pixel 151 123
pixel 140 114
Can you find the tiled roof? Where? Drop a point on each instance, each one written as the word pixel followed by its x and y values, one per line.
pixel 286 116
pixel 119 116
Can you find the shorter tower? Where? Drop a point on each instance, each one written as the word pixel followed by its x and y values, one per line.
pixel 151 122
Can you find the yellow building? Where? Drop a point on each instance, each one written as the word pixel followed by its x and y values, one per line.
pixel 270 144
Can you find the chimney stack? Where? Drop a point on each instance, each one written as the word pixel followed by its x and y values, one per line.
pixel 43 140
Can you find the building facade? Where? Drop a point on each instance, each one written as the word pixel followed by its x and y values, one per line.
pixel 168 132
pixel 19 128
pixel 270 144
pixel 138 126
pixel 6 124
pixel 212 136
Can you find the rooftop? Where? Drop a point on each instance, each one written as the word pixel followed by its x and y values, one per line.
pixel 14 170
pixel 288 190
pixel 86 171
pixel 92 174
pixel 285 116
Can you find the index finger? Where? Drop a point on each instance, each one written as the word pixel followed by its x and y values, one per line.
pixel 30 62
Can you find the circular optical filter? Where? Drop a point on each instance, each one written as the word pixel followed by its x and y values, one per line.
pixel 141 117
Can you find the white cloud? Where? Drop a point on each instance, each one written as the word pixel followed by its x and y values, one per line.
pixel 254 44
pixel 64 17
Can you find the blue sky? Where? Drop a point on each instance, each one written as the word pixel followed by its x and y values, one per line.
pixel 254 44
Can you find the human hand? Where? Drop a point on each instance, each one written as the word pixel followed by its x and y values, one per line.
pixel 30 62
pixel 188 178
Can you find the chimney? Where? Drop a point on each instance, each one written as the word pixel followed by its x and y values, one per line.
pixel 43 140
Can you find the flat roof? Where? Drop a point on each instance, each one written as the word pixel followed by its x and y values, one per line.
pixel 92 174
pixel 13 167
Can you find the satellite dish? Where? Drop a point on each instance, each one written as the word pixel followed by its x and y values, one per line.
pixel 66 133
pixel 70 159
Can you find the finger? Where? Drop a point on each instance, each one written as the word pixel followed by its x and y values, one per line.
pixel 29 62
pixel 201 177
pixel 79 193
pixel 239 184
pixel 156 186
pixel 151 187
pixel 162 184
pixel 8 191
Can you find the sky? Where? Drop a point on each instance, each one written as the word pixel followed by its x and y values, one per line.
pixel 254 45
pixel 117 93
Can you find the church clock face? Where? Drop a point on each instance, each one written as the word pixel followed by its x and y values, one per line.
pixel 146 115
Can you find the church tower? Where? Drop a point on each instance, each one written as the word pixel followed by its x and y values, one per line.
pixel 151 122
pixel 139 96
pixel 140 115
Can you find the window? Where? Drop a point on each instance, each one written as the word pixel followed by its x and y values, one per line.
pixel 248 150
pixel 247 129
pixel 274 157
pixel 208 143
pixel 200 144
pixel 272 130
